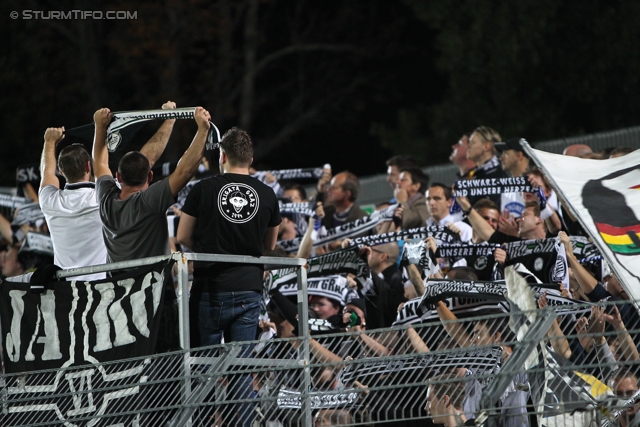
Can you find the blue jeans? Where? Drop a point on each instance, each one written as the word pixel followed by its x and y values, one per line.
pixel 233 315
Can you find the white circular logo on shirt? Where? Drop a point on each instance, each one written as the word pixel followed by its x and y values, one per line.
pixel 238 202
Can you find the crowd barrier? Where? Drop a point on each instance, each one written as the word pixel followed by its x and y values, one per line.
pixel 379 377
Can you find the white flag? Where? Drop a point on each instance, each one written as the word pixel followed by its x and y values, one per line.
pixel 604 195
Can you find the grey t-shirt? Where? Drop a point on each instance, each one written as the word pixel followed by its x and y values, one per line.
pixel 136 227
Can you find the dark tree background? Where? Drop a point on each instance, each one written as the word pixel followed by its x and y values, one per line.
pixel 344 82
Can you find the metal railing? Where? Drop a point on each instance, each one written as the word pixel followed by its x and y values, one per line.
pixel 499 369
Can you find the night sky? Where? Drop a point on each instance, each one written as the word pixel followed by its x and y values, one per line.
pixel 343 82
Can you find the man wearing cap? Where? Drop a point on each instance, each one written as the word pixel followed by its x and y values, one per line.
pixel 482 151
pixel 516 163
pixel 513 158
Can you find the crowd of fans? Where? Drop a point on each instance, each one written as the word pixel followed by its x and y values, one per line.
pixel 602 340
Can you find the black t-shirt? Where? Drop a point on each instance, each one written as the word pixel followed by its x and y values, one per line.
pixel 233 213
pixel 491 169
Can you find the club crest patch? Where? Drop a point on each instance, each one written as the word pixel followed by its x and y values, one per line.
pixel 238 203
pixel 113 141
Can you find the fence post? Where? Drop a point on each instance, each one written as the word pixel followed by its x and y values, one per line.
pixel 536 332
pixel 183 314
pixel 303 333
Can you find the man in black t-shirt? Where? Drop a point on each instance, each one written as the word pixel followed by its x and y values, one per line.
pixel 235 214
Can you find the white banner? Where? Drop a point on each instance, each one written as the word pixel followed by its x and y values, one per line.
pixel 604 195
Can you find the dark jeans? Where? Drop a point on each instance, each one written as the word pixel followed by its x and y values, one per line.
pixel 233 315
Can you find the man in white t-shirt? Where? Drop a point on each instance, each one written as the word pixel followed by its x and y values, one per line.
pixel 439 201
pixel 71 213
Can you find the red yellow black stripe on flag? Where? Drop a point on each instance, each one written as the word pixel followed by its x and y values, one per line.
pixel 621 240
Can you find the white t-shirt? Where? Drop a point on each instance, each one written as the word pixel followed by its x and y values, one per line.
pixel 513 202
pixel 73 218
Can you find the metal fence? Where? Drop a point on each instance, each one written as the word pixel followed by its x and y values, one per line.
pixel 572 366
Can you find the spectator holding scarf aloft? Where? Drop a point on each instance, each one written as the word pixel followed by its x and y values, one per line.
pixel 439 201
pixel 595 291
pixel 482 151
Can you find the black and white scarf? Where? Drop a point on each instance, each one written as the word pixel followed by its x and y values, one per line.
pixel 125 124
pixel 491 186
pixel 297 174
pixel 343 231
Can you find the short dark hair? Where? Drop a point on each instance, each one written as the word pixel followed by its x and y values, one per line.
pixel 485 203
pixel 449 384
pixel 448 194
pixel 417 176
pixel 621 151
pixel 462 273
pixel 352 184
pixel 299 188
pixel 402 161
pixel 535 206
pixel 621 374
pixel 72 161
pixel 134 168
pixel 238 146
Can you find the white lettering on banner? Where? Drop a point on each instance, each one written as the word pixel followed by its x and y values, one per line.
pixel 408 310
pixel 13 337
pixel 119 317
pixel 116 315
pixel 100 318
pixel 81 392
pixel 51 341
pixel 138 309
pixel 528 247
pixel 27 174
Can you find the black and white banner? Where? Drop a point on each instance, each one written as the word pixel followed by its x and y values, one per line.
pixel 346 260
pixel 297 174
pixel 477 256
pixel 125 124
pixel 39 243
pixel 441 233
pixel 28 214
pixel 70 329
pixel 12 202
pixel 123 119
pixel 485 361
pixel 465 298
pixel 416 252
pixel 409 312
pixel 297 208
pixel 491 186
pixel 465 250
pixel 349 230
pixel 290 399
pixel 334 287
pixel 437 290
pixel 545 258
